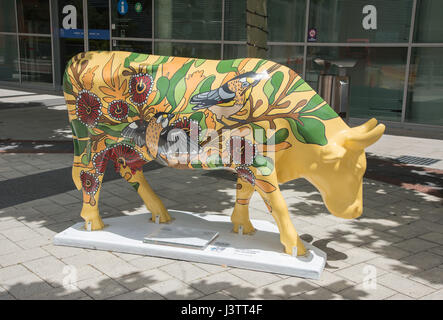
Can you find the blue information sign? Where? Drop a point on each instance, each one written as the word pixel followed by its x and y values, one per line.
pixel 101 34
pixel 122 7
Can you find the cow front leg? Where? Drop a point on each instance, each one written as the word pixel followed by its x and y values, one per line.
pixel 240 216
pixel 277 207
pixel 151 200
pixel 91 185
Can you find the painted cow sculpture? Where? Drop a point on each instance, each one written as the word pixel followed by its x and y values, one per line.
pixel 251 116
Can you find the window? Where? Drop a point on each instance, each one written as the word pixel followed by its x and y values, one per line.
pixel 429 22
pixel 132 46
pixel 33 16
pixel 36 59
pixel 8 58
pixel 188 19
pixel 235 20
pixel 7 16
pixel 361 20
pixel 376 81
pixel 286 20
pixel 135 22
pixel 290 56
pixel 191 50
pixel 425 94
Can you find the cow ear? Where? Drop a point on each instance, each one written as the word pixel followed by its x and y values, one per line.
pixel 332 153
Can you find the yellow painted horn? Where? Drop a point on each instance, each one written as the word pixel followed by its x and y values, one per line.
pixel 361 140
pixel 365 127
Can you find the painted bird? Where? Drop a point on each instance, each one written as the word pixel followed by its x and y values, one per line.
pixel 161 137
pixel 230 97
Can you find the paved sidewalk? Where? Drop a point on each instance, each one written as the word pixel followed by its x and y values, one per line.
pixel 398 239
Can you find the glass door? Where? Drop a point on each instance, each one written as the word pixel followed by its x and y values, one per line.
pixel 71 31
pixel 98 25
pixel 76 16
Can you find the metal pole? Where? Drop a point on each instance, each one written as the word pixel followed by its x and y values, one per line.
pixel 153 27
pixel 408 62
pixel 18 45
pixel 110 25
pixel 85 26
pixel 55 47
pixel 305 42
pixel 222 30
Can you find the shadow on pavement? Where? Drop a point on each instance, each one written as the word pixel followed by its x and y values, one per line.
pixel 400 229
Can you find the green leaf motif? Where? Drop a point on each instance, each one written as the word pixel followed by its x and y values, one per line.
pixel 225 66
pixel 272 85
pixel 79 129
pixel 85 159
pixel 214 161
pixel 67 85
pixel 109 142
pixel 162 87
pixel 259 133
pixel 197 164
pixel 280 136
pixel 264 164
pixel 314 102
pixel 199 62
pixel 310 130
pixel 115 130
pixel 133 112
pixel 135 185
pixel 294 130
pixel 313 131
pixel 180 90
pixel 236 63
pixel 299 86
pixel 141 57
pixel 129 59
pixel 324 113
pixel 179 75
pixel 206 84
pixel 79 146
pixel 258 65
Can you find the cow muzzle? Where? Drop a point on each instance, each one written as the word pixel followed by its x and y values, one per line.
pixel 346 211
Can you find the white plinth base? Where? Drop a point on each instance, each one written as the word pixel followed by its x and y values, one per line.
pixel 261 251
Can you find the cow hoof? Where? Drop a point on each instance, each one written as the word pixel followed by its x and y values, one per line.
pixel 94 224
pixel 301 250
pixel 161 218
pixel 247 228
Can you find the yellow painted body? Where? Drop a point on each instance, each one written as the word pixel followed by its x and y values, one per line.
pixel 312 142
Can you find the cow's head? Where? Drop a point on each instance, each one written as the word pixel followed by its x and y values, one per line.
pixel 339 169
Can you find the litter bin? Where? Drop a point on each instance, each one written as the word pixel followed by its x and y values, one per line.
pixel 334 88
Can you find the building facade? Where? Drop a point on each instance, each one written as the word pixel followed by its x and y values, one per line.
pixel 396 46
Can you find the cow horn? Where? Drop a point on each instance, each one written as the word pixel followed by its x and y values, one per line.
pixel 365 127
pixel 361 140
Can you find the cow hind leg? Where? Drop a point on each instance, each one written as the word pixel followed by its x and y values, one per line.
pixel 240 216
pixel 271 194
pixel 151 200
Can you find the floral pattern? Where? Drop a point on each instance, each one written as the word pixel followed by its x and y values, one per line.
pixel 90 183
pixel 140 87
pixel 118 110
pixel 88 108
pixel 122 155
